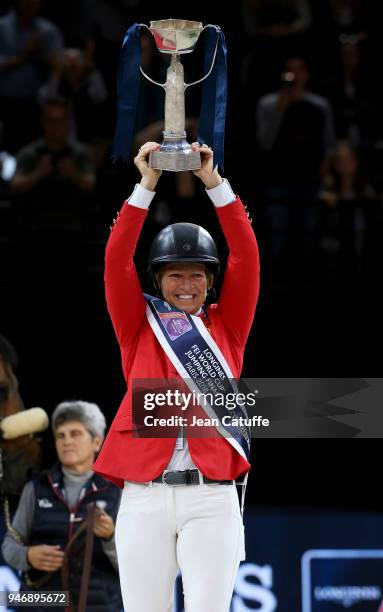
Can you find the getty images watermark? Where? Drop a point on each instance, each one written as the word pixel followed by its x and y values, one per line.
pixel 184 401
pixel 269 407
pixel 162 407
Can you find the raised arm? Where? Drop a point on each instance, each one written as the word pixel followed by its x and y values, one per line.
pixel 239 293
pixel 240 287
pixel 126 304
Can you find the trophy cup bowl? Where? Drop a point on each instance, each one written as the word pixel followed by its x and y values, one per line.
pixel 175 37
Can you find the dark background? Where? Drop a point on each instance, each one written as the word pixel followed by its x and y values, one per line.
pixel 319 321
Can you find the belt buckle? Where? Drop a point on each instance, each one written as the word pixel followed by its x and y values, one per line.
pixel 163 477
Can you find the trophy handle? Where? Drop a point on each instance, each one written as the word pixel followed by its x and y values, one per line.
pixel 163 85
pixel 151 80
pixel 212 64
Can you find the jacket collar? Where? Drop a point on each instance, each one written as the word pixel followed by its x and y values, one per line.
pixel 94 483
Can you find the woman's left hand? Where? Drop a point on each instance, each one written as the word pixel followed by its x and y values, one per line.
pixel 208 175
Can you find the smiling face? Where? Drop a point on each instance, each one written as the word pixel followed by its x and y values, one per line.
pixel 184 285
pixel 76 448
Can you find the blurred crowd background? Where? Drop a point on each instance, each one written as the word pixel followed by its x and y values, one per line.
pixel 304 150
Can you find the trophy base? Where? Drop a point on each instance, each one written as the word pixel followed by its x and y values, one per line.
pixel 175 160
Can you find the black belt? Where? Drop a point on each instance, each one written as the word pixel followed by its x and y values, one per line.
pixel 187 477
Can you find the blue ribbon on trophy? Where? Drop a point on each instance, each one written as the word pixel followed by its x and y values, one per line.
pixel 174 37
pixel 211 124
pixel 127 91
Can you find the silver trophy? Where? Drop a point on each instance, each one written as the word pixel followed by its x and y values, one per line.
pixel 176 37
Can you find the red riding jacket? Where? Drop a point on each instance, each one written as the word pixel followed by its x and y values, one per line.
pixel 124 457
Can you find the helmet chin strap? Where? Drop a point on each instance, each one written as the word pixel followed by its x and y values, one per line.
pixel 156 286
pixel 211 293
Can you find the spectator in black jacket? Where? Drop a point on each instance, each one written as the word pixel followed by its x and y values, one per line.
pixel 53 507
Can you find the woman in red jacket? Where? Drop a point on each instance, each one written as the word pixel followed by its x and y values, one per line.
pixel 179 507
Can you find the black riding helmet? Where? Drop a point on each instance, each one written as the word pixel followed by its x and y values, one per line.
pixel 181 243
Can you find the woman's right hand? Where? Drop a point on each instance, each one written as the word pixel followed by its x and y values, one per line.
pixel 44 557
pixel 149 175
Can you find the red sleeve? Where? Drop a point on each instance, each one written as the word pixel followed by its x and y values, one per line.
pixel 126 304
pixel 240 287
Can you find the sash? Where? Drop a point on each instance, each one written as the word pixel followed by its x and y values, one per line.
pixel 200 363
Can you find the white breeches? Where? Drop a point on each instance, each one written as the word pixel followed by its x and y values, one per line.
pixel 195 528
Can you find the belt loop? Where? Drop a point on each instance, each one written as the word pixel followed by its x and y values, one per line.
pixel 200 477
pixel 150 483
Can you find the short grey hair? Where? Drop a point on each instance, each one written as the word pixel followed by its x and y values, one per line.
pixel 86 413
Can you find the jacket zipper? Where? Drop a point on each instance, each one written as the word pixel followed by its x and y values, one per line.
pixel 72 511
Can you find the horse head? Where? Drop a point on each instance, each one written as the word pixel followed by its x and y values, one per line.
pixel 10 400
pixel 21 456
